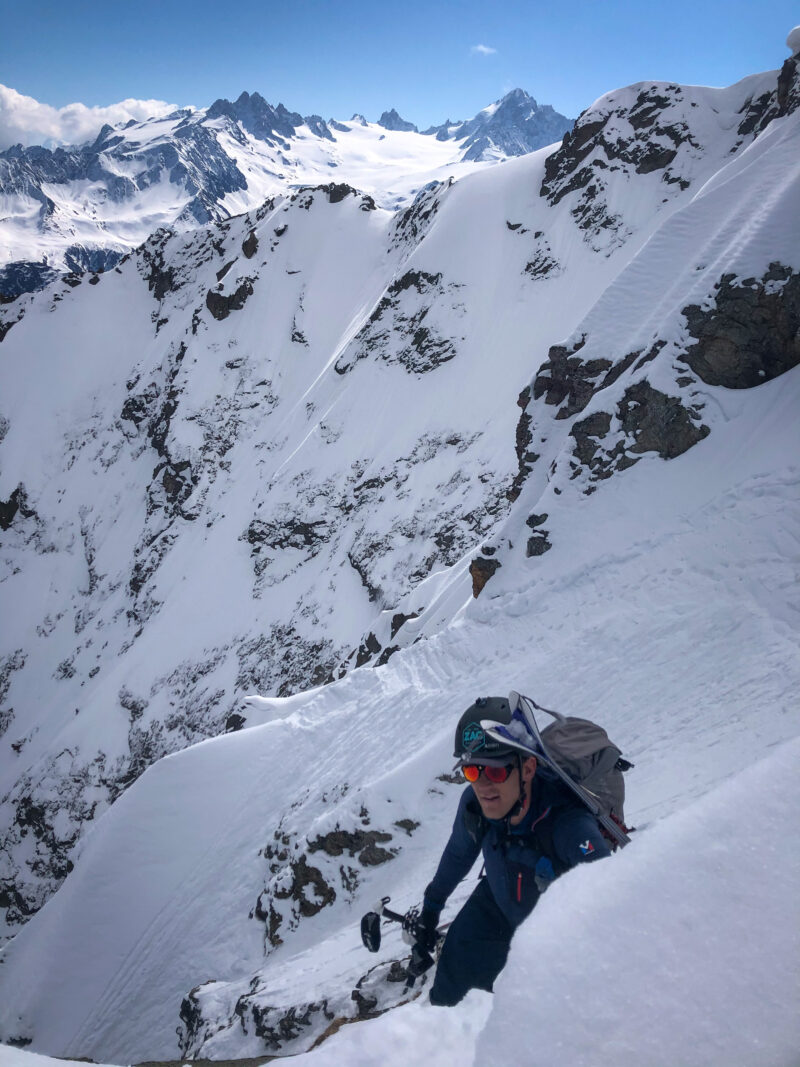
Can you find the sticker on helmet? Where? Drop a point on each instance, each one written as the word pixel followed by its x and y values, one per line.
pixel 473 737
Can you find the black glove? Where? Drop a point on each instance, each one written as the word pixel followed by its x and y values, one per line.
pixel 419 928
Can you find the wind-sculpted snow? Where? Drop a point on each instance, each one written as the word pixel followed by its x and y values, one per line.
pixel 318 438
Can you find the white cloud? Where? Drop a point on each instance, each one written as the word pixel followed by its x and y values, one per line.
pixel 483 50
pixel 25 121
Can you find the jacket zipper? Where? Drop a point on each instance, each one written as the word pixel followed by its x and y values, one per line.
pixel 519 887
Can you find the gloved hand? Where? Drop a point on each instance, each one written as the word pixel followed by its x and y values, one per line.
pixel 419 928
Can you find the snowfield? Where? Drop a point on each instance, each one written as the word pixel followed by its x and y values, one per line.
pixel 538 433
pixel 680 637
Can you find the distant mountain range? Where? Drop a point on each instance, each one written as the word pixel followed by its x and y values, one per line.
pixel 83 208
pixel 512 126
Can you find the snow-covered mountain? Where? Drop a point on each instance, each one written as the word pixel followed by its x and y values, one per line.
pixel 82 209
pixel 537 431
pixel 512 126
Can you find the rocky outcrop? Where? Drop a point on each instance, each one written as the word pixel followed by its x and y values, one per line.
pixel 297 887
pixel 758 112
pixel 657 422
pixel 539 541
pixel 400 330
pixel 481 570
pixel 291 1029
pixel 222 304
pixel 751 333
pixel 411 225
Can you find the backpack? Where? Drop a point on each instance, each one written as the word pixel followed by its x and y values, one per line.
pixel 581 755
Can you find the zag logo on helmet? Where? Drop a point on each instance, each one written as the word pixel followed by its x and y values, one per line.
pixel 473 737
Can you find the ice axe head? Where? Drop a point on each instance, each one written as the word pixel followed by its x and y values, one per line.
pixel 371 931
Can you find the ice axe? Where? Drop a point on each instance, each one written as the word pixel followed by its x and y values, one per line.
pixel 421 960
pixel 371 924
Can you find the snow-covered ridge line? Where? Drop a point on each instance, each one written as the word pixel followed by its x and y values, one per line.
pixel 81 209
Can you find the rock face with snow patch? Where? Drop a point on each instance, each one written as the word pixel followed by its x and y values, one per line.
pixel 751 334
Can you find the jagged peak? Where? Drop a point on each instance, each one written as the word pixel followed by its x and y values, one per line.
pixel 391 120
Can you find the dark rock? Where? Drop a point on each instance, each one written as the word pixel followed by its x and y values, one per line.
pixel 535 520
pixel 538 544
pixel 481 570
pixel 278 1026
pixel 306 878
pixel 400 619
pixel 221 305
pixel 586 434
pixel 363 843
pixel 369 647
pixel 250 245
pixel 17 503
pixel 409 825
pixel 397 332
pixel 139 406
pixel 14 661
pixel 290 533
pixel 412 224
pixel 386 655
pixel 658 422
pixel 568 382
pixel 135 706
pixel 160 278
pixel 524 437
pixel 751 334
pixel 782 100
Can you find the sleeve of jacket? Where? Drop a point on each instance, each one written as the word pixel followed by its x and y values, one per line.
pixel 459 854
pixel 577 838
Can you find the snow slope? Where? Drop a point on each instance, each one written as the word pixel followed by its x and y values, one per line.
pixel 640 499
pixel 667 635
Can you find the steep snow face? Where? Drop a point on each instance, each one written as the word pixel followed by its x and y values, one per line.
pixel 259 456
pixel 223 890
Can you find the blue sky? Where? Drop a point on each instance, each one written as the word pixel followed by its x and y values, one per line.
pixel 422 58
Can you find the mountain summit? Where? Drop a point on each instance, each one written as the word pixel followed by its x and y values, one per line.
pixel 512 126
pixel 390 120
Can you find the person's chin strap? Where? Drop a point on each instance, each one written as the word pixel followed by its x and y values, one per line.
pixel 519 804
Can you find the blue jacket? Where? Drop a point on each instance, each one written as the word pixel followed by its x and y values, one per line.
pixel 557 833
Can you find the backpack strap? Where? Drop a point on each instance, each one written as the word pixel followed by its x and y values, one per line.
pixel 475 822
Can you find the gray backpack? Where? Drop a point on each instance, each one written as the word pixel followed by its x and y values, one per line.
pixel 581 755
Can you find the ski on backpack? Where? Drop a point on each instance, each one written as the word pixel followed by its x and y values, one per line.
pixel 578 751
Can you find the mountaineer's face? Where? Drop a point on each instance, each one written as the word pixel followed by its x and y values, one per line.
pixel 497 798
